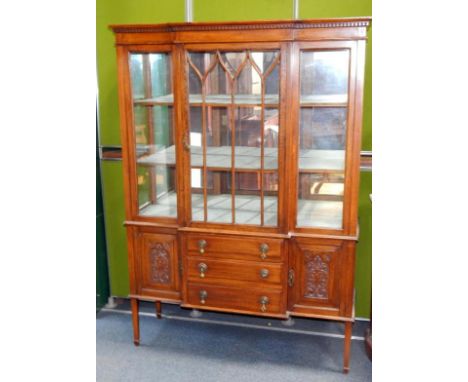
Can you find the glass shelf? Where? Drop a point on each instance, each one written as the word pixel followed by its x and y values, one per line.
pixel 247 209
pixel 336 100
pixel 331 100
pixel 320 213
pixel 167 99
pixel 213 99
pixel 327 214
pixel 247 158
pixel 239 99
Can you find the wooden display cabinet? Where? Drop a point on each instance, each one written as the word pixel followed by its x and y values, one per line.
pixel 241 146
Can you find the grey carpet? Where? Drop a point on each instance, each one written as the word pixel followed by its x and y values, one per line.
pixel 179 351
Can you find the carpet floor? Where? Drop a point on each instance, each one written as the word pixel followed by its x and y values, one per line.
pixel 222 347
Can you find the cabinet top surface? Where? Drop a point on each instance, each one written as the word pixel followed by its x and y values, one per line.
pixel 347 22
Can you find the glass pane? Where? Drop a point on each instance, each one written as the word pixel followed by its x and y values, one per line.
pixel 248 138
pixel 270 140
pixel 196 137
pixel 248 86
pixel 321 169
pixel 323 128
pixel 233 60
pixel 272 86
pixel 154 134
pixel 218 138
pixel 217 83
pixel 205 65
pixel 322 138
pixel 248 198
pixel 219 199
pixel 324 76
pixel 195 83
pixel 270 186
pixel 264 60
pixel 196 181
pixel 219 203
pixel 320 200
pixel 136 73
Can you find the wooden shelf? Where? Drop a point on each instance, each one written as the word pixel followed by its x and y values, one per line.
pixel 248 158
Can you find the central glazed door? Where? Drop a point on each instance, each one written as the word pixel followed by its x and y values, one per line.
pixel 235 136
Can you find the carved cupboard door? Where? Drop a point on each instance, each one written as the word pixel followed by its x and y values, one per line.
pixel 320 277
pixel 157 265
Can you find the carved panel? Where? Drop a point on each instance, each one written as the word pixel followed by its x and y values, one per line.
pixel 317 273
pixel 160 262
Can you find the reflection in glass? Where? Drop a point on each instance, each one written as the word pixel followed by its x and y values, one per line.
pixel 323 128
pixel 248 85
pixel 248 138
pixel 233 61
pixel 324 76
pixel 150 77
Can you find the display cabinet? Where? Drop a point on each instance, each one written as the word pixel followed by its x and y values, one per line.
pixel 241 146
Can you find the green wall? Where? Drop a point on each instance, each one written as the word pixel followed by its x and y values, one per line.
pixel 122 12
pixel 152 11
pixel 102 276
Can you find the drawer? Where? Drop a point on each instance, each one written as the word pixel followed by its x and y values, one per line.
pixel 256 301
pixel 203 269
pixel 235 247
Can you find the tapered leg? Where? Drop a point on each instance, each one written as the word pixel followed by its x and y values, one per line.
pixel 347 346
pixel 135 321
pixel 158 309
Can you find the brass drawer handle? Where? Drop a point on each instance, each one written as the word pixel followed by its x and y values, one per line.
pixel 263 250
pixel 202 267
pixel 203 296
pixel 264 300
pixel 264 273
pixel 201 246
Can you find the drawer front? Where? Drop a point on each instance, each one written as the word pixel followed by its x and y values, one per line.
pixel 255 301
pixel 235 247
pixel 202 269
